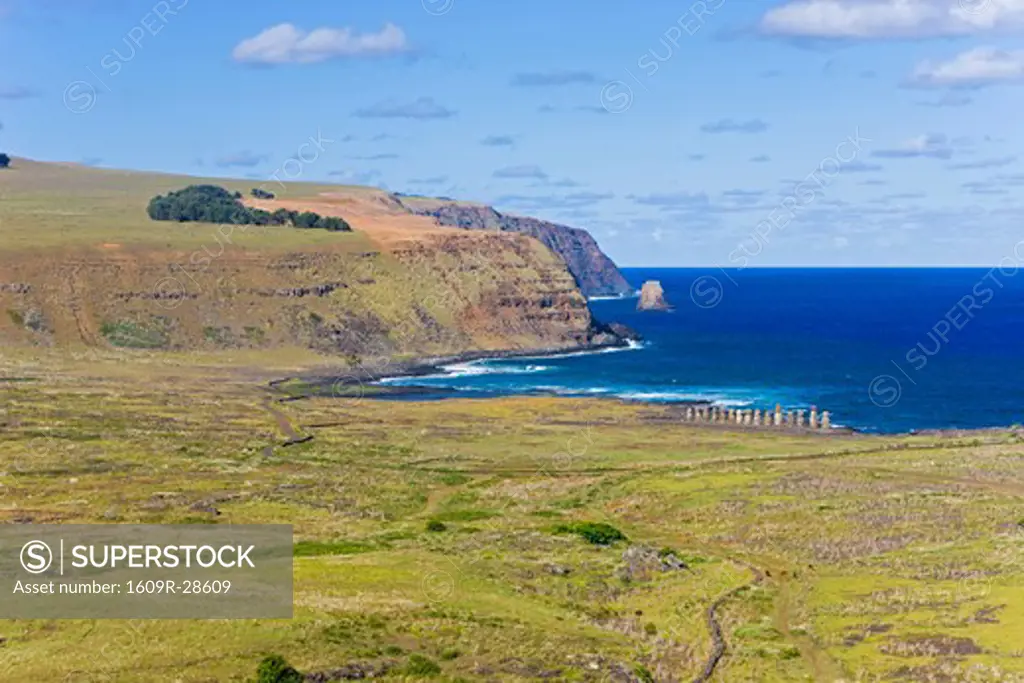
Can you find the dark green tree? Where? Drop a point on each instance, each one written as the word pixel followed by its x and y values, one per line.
pixel 5 161
pixel 306 219
pixel 212 204
pixel 274 669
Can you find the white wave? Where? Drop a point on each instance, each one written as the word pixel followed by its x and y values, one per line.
pixel 572 391
pixel 614 297
pixel 474 368
pixel 689 396
pixel 661 396
pixel 630 346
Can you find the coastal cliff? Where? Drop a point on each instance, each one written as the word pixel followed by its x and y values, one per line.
pixel 595 273
pixel 434 296
pixel 399 286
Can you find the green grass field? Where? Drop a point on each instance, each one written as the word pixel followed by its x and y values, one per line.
pixel 97 206
pixel 432 539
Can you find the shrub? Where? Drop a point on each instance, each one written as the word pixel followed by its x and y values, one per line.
pixel 213 204
pixel 597 533
pixel 274 669
pixel 422 667
pixel 643 673
pixel 260 193
pixel 319 548
pixel 306 219
pixel 436 525
pixel 333 224
pixel 127 334
pixel 5 161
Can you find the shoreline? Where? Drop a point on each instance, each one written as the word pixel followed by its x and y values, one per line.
pixel 419 367
pixel 352 383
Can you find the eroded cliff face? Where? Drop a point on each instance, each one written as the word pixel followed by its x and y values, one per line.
pixel 596 274
pixel 82 263
pixel 448 294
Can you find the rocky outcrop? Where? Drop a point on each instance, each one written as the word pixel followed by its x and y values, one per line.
pixel 652 297
pixel 595 273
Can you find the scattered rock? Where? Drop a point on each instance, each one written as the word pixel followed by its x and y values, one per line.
pixel 931 646
pixel 354 671
pixel 652 297
pixel 528 669
pixel 557 569
pixel 640 562
pixel 986 615
pixel 203 506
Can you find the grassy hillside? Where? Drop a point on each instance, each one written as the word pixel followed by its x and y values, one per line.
pixel 82 263
pixel 46 205
pixel 843 558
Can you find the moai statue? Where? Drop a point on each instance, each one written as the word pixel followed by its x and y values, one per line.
pixel 791 418
pixel 702 414
pixel 826 420
pixel 814 417
pixel 778 415
pixel 757 417
pixel 690 414
pixel 800 418
pixel 736 415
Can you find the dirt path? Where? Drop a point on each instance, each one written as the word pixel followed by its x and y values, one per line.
pixel 284 424
pixel 718 642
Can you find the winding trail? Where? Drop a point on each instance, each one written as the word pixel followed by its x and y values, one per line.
pixel 284 424
pixel 719 644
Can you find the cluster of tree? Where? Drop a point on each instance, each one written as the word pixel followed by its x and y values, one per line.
pixel 5 161
pixel 212 204
pixel 260 193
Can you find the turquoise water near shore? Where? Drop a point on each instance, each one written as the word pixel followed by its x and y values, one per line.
pixel 887 350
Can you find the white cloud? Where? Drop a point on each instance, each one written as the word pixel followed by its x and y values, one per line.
pixel 891 18
pixel 972 69
pixel 932 145
pixel 287 44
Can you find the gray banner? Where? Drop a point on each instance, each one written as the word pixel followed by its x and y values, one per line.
pixel 108 571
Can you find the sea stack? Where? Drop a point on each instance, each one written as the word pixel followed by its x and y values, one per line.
pixel 652 297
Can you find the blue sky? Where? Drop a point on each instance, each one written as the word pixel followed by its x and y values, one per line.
pixel 714 132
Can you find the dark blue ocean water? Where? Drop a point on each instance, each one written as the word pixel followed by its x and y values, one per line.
pixel 887 350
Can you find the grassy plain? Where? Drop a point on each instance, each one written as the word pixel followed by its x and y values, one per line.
pixel 833 558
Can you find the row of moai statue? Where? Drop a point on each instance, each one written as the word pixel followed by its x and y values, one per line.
pixel 758 418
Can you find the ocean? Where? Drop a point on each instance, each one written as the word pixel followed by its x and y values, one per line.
pixel 883 349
